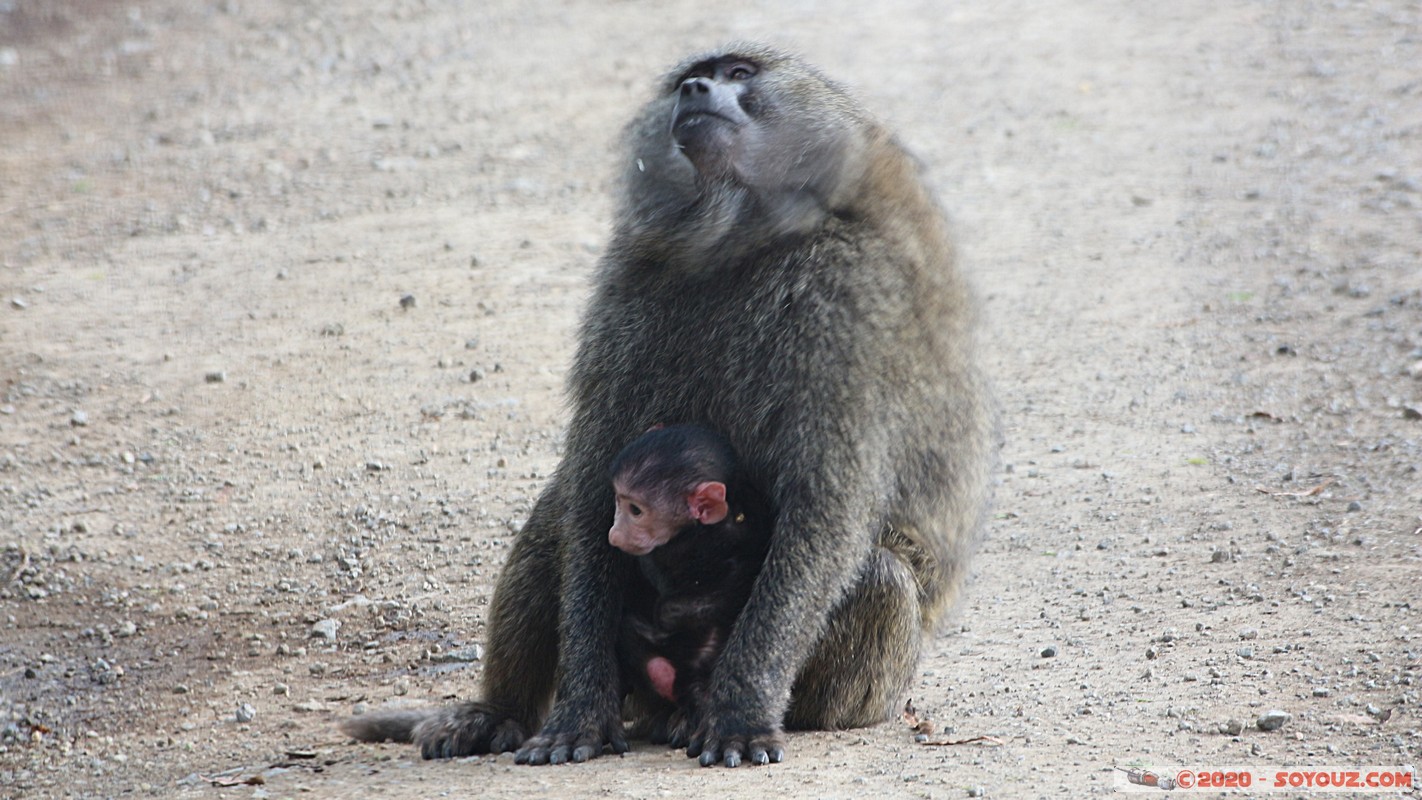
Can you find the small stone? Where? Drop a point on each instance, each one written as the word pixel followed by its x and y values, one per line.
pixel 281 690
pixel 1355 506
pixel 1321 691
pixel 1248 633
pixel 1050 651
pixel 977 791
pixel 325 629
pixel 18 303
pixel 309 707
pixel 317 669
pixel 246 713
pixel 1244 652
pixel 1233 727
pixel 79 419
pixel 407 301
pixel 215 376
pixel 1273 720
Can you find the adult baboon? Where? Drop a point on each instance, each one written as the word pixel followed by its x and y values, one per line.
pixel 778 272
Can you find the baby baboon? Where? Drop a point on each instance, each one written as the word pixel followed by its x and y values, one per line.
pixel 700 533
pixel 778 271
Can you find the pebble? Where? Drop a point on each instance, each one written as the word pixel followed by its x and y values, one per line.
pixel 215 376
pixel 463 655
pixel 1273 720
pixel 79 419
pixel 407 301
pixel 1233 727
pixel 246 712
pixel 977 791
pixel 1049 651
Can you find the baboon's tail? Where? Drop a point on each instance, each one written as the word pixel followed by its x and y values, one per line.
pixel 385 726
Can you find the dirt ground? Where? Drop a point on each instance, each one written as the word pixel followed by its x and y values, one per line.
pixel 289 291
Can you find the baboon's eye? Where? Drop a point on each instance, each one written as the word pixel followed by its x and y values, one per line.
pixel 635 509
pixel 740 72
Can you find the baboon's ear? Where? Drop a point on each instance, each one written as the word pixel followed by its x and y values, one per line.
pixel 707 502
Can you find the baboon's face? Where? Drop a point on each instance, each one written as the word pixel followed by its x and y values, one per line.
pixel 713 121
pixel 762 122
pixel 748 143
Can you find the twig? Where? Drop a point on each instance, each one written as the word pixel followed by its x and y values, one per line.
pixel 1308 493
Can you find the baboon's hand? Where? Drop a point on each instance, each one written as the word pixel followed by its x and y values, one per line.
pixel 577 742
pixel 716 742
pixel 466 729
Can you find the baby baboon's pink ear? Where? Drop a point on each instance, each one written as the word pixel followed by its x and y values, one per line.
pixel 707 502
